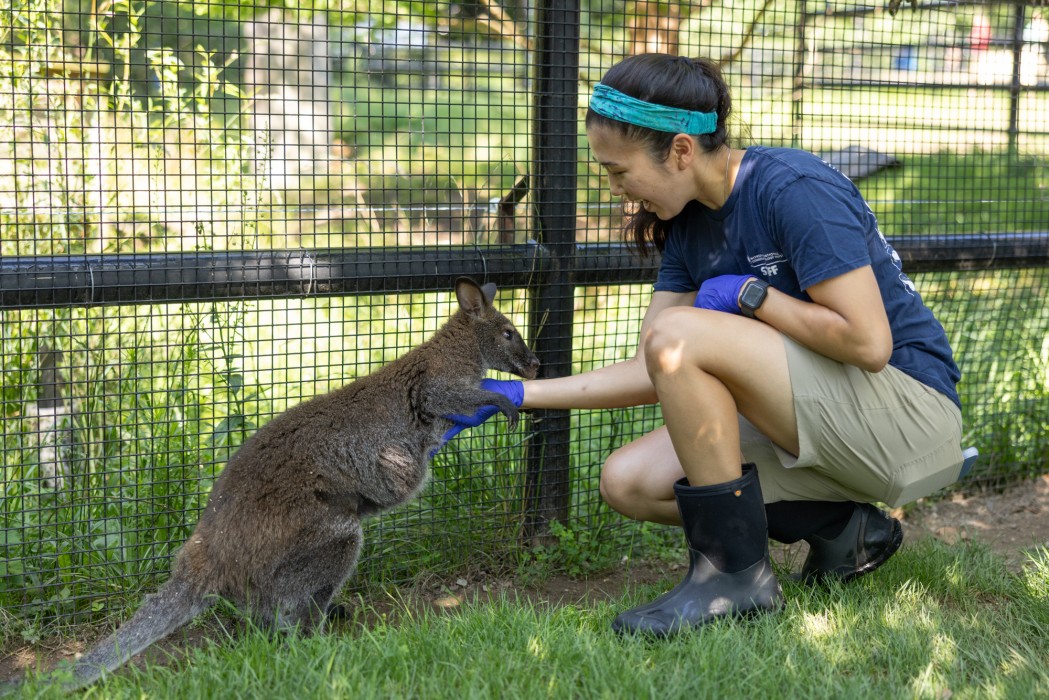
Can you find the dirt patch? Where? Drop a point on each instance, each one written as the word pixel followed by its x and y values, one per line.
pixel 1008 522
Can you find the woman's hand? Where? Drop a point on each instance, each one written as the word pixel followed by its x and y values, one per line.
pixel 721 293
pixel 512 389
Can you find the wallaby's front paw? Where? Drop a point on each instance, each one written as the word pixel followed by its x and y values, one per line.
pixel 507 408
pixel 511 417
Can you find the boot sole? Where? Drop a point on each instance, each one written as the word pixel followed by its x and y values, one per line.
pixel 748 614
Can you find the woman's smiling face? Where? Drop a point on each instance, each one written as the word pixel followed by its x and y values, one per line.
pixel 635 174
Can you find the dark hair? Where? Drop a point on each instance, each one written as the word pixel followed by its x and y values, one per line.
pixel 676 81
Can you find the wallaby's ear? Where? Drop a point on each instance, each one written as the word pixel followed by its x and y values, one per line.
pixel 489 293
pixel 471 297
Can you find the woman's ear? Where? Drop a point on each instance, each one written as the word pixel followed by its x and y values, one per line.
pixel 683 150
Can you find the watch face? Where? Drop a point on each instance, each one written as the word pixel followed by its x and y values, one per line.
pixel 753 295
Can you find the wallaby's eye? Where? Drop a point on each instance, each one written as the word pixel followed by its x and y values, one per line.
pixel 508 334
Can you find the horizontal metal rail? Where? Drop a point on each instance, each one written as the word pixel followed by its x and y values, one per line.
pixel 161 278
pixel 93 280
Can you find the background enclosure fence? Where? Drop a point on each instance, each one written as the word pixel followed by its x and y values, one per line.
pixel 212 211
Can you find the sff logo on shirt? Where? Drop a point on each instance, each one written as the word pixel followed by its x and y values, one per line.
pixel 767 263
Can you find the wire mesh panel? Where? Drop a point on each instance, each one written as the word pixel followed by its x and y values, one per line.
pixel 210 212
pixel 155 152
pixel 938 112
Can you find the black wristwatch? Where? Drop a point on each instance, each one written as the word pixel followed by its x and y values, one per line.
pixel 753 296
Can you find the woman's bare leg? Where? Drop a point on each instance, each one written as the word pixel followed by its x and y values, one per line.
pixel 708 367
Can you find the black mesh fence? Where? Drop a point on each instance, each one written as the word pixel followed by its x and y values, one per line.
pixel 212 211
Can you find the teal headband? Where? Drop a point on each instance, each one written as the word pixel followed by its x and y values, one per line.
pixel 609 102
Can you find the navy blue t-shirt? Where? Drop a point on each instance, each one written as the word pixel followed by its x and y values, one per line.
pixel 794 221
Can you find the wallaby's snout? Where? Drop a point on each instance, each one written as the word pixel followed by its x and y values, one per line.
pixel 509 353
pixel 532 369
pixel 526 364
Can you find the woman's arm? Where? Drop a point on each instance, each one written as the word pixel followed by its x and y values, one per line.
pixel 846 322
pixel 617 385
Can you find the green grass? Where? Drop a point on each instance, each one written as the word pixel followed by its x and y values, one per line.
pixel 961 193
pixel 937 621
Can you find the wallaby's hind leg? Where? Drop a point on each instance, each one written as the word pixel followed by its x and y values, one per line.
pixel 305 580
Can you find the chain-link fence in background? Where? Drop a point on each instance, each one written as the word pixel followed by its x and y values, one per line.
pixel 212 211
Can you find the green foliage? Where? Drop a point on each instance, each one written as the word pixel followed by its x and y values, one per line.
pixel 1000 341
pixel 146 427
pixel 343 11
pixel 139 466
pixel 595 547
pixel 1036 580
pixel 572 552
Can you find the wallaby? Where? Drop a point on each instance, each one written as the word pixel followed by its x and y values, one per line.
pixel 281 531
pixel 53 416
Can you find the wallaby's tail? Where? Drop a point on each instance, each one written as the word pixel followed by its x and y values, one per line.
pixel 160 614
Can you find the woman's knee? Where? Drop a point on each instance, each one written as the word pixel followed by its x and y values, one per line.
pixel 618 485
pixel 671 335
pixel 637 480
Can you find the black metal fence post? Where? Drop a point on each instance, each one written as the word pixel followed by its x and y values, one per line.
pixel 798 93
pixel 554 156
pixel 1015 86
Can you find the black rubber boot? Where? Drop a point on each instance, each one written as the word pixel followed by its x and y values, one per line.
pixel 729 571
pixel 792 521
pixel 868 540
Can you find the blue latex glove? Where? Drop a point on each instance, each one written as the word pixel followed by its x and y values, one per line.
pixel 512 389
pixel 721 293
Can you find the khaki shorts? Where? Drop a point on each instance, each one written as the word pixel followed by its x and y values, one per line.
pixel 868 437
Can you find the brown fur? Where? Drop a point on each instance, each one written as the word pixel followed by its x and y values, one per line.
pixel 282 528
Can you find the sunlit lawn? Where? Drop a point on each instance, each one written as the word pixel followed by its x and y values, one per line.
pixel 938 621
